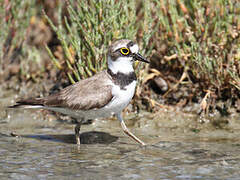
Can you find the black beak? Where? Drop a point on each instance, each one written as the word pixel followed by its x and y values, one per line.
pixel 137 56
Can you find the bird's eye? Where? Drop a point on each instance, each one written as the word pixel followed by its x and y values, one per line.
pixel 124 51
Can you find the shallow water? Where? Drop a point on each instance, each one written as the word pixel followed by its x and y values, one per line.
pixel 179 147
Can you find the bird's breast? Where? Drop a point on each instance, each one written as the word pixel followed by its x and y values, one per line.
pixel 121 97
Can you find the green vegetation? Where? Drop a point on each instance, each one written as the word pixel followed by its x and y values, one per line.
pixel 15 22
pixel 201 41
pixel 204 35
pixel 193 45
pixel 88 31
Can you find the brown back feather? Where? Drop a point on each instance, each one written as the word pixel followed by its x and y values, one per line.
pixel 91 93
pixel 84 95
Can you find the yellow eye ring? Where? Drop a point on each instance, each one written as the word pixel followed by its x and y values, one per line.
pixel 124 51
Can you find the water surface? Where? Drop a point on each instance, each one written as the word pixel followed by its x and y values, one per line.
pixel 179 147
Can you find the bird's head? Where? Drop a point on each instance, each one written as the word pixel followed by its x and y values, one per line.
pixel 121 55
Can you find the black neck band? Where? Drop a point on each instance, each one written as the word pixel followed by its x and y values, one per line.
pixel 122 79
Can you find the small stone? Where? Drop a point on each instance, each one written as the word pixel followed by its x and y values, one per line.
pixel 161 83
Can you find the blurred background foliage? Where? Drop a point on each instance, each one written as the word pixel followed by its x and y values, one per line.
pixel 89 28
pixel 194 46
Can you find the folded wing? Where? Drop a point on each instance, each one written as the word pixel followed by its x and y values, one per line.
pixel 91 93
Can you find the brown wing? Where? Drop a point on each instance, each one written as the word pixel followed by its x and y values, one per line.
pixel 84 95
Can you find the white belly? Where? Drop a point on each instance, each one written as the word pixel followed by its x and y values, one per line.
pixel 121 98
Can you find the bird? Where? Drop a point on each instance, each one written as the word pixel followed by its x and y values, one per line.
pixel 104 94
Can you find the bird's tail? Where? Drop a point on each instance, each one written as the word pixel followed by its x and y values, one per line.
pixel 29 103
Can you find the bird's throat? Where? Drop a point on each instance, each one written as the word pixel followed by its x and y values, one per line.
pixel 122 65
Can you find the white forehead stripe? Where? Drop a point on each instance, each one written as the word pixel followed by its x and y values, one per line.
pixel 134 48
pixel 118 47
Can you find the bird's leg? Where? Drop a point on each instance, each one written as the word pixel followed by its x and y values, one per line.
pixel 77 130
pixel 126 131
